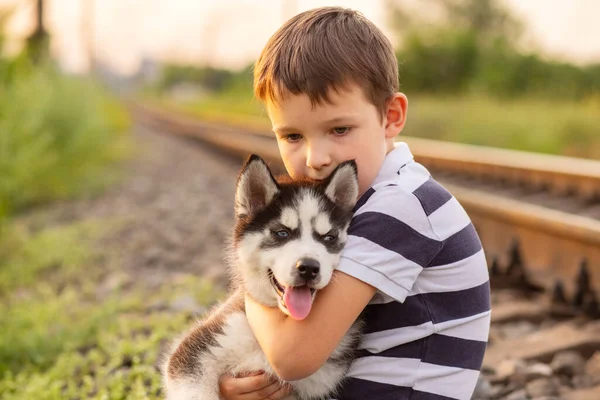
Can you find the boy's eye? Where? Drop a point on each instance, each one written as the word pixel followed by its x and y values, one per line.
pixel 341 130
pixel 292 137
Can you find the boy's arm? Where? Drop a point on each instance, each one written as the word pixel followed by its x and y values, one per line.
pixel 297 349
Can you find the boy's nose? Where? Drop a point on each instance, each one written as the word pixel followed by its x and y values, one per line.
pixel 317 158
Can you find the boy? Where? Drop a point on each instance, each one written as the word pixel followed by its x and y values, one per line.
pixel 413 261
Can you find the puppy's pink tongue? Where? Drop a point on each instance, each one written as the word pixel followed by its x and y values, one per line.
pixel 298 301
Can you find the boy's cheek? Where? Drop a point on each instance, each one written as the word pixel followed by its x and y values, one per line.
pixel 293 167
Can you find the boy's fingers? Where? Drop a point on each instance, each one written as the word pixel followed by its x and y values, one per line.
pixel 236 386
pixel 264 393
pixel 250 373
pixel 257 383
pixel 280 393
pixel 274 391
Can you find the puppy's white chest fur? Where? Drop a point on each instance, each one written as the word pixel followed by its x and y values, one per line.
pixel 238 347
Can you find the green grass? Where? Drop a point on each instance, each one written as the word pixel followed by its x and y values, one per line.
pixel 65 334
pixel 550 126
pixel 545 126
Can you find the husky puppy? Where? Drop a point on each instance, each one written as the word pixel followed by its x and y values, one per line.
pixel 286 244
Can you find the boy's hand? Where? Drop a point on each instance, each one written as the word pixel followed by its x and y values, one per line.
pixel 252 386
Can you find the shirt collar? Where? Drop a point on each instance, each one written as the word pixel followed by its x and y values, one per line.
pixel 392 163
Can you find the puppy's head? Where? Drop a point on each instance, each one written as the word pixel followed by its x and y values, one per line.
pixel 289 235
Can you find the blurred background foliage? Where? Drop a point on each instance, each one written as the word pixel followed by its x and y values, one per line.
pixel 472 49
pixel 465 77
pixel 58 133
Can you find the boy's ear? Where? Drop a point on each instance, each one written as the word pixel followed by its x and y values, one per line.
pixel 342 185
pixel 256 187
pixel 395 117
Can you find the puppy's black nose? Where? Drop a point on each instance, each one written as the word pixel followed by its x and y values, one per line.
pixel 308 268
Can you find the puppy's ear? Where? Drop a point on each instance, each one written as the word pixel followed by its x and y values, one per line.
pixel 342 185
pixel 255 189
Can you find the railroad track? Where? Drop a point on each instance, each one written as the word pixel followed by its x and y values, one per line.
pixel 538 216
pixel 539 220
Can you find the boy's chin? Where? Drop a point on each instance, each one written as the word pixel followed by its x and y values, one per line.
pixel 318 178
pixel 308 179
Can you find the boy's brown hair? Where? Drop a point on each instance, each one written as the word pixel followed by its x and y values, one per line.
pixel 327 48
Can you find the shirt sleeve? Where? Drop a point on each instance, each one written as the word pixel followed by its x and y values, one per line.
pixel 390 241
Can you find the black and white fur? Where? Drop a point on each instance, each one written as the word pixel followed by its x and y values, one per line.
pixel 315 217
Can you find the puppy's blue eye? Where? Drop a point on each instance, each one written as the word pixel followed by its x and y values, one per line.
pixel 328 238
pixel 282 234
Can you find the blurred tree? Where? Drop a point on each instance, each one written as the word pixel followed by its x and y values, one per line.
pixel 445 49
pixel 37 43
pixel 488 19
pixel 444 61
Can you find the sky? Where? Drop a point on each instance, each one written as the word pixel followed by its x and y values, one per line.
pixel 231 33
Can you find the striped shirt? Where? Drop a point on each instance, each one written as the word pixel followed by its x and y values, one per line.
pixel 427 326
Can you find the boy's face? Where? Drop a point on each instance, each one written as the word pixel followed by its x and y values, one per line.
pixel 314 140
